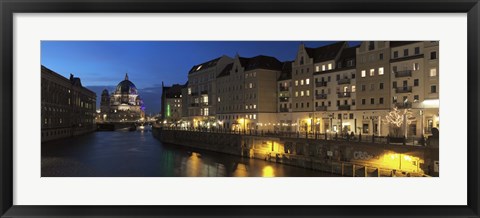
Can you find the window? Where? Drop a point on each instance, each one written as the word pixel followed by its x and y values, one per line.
pixel 417 50
pixel 415 82
pixel 416 66
pixel 329 66
pixel 395 54
pixel 254 106
pixel 301 82
pixel 317 68
pixel 250 85
pixel 405 52
pixel 189 91
pixel 353 102
pixel 308 93
pixel 205 111
pixel 218 99
pixel 394 69
pixel 380 71
pixel 296 94
pixel 296 82
pixel 394 99
pixel 353 88
pixel 372 100
pixel 433 55
pixel 328 79
pixel 380 100
pixel 323 67
pixel 338 77
pixel 433 89
pixel 329 103
pixel 372 72
pixel 301 93
pixel 371 45
pixel 301 104
pixel 307 81
pixel 338 104
pixel 380 56
pixel 353 76
pixel 433 72
pixel 308 104
pixel 380 86
pixel 394 85
pixel 363 101
pixel 415 98
pixel 365 128
pixel 363 88
pixel 364 73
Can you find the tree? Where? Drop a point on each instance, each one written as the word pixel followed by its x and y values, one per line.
pixel 398 118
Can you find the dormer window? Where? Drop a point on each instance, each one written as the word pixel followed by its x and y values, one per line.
pixel 301 60
pixel 199 67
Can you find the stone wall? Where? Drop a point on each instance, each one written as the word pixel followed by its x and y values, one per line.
pixel 341 157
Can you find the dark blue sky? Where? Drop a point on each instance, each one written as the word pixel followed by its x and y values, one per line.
pixel 103 64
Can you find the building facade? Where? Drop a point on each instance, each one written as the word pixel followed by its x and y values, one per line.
pixel 172 104
pixel 68 108
pixel 330 89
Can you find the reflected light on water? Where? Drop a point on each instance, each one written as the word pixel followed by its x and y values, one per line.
pixel 241 170
pixel 268 172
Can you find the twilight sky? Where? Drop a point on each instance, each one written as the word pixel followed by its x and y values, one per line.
pixel 103 64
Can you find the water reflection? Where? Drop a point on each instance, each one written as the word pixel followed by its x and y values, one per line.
pixel 138 154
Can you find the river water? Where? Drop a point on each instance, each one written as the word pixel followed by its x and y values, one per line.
pixel 139 154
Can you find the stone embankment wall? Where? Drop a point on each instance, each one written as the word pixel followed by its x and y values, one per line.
pixel 340 157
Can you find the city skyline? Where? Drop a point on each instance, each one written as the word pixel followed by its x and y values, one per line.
pixel 102 64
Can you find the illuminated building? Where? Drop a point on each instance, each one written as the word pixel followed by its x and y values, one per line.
pixel 171 111
pixel 68 108
pixel 122 105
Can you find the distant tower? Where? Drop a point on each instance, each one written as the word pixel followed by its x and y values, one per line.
pixel 105 102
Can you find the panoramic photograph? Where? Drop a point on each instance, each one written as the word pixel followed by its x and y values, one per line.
pixel 240 109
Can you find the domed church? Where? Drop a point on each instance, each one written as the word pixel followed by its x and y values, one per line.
pixel 122 105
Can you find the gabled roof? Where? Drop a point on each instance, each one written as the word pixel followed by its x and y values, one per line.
pixel 325 53
pixel 226 70
pixel 286 71
pixel 347 55
pixel 401 43
pixel 261 62
pixel 205 65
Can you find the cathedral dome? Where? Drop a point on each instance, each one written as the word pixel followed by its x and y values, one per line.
pixel 126 87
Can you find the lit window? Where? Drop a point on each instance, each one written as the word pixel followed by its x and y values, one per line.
pixel 308 92
pixel 301 82
pixel 218 99
pixel 329 66
pixel 250 85
pixel 380 71
pixel 307 81
pixel 296 82
pixel 246 106
pixel 254 116
pixel 364 73
pixel 254 106
pixel 189 91
pixel 433 72
pixel 296 94
pixel 302 93
pixel 323 67
pixel 416 66
pixel 353 88
pixel 317 68
pixel 372 72
pixel 205 112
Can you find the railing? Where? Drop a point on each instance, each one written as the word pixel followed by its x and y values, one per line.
pixel 344 107
pixel 329 136
pixel 284 99
pixel 320 84
pixel 343 81
pixel 404 89
pixel 321 108
pixel 403 73
pixel 403 105
pixel 283 88
pixel 283 109
pixel 321 96
pixel 344 94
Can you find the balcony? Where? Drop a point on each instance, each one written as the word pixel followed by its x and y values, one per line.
pixel 320 84
pixel 403 105
pixel 283 109
pixel 403 73
pixel 344 81
pixel 321 108
pixel 321 96
pixel 404 89
pixel 344 107
pixel 283 88
pixel 284 99
pixel 344 95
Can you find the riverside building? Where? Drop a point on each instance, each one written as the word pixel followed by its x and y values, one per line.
pixel 68 108
pixel 330 89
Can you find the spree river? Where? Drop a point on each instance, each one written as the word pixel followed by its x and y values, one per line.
pixel 139 154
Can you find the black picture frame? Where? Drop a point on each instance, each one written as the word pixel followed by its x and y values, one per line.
pixel 10 7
